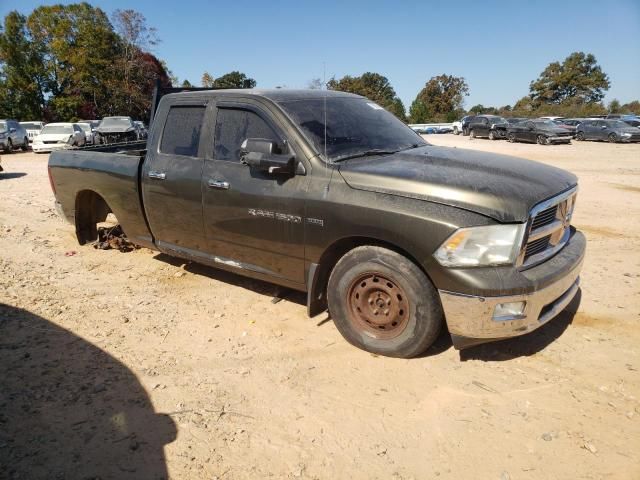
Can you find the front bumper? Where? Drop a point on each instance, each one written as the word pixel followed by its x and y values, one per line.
pixel 566 139
pixel 470 318
pixel 49 147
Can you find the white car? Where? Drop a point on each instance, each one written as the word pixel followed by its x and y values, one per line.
pixel 89 134
pixel 58 136
pixel 33 129
pixel 457 127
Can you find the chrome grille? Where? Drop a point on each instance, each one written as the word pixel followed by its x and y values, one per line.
pixel 548 229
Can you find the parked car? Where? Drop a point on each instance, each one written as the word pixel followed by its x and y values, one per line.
pixel 89 134
pixel 543 132
pixel 141 130
pixel 465 124
pixel 514 120
pixel 394 235
pixel 457 127
pixel 94 123
pixel 564 123
pixel 32 128
pixel 629 119
pixel 13 135
pixel 116 130
pixel 59 136
pixel 490 126
pixel 610 130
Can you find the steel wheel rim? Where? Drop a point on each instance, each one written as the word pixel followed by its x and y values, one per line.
pixel 378 306
pixel 612 138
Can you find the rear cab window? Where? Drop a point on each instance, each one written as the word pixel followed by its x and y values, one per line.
pixel 181 134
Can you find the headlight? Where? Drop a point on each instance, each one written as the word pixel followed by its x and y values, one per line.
pixel 627 134
pixel 481 246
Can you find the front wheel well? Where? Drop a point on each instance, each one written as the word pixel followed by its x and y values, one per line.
pixel 90 209
pixel 319 278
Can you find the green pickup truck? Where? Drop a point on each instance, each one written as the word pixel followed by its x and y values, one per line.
pixel 328 193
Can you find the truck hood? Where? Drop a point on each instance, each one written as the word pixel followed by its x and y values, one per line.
pixel 114 129
pixel 499 186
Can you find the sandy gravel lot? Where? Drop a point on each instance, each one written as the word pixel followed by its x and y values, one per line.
pixel 136 365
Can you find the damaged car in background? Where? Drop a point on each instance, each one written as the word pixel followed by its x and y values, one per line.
pixel 116 130
pixel 328 193
pixel 490 126
pixel 58 136
pixel 542 132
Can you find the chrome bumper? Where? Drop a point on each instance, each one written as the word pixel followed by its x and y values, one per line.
pixel 471 316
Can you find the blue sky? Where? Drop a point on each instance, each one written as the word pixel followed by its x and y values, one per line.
pixel 498 46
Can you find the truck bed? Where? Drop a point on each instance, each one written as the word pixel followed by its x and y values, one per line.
pixel 110 172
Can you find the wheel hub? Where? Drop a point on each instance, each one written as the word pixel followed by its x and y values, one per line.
pixel 378 306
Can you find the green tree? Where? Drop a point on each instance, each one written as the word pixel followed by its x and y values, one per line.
pixel 578 77
pixel 234 79
pixel 440 100
pixel 373 86
pixel 631 107
pixel 615 106
pixel 186 84
pixel 22 74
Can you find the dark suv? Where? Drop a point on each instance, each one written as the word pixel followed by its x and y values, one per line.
pixel 490 126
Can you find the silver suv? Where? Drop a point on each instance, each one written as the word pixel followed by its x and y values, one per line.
pixel 13 135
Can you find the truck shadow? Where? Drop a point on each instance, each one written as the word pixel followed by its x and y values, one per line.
pixel 10 175
pixel 257 286
pixel 528 344
pixel 70 410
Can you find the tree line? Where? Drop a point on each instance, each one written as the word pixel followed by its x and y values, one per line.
pixel 66 62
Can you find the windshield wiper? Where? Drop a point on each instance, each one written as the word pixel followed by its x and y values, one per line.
pixel 367 153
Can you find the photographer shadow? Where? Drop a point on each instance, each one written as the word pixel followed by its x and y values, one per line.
pixel 70 410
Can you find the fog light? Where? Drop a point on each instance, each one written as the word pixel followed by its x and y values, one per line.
pixel 509 311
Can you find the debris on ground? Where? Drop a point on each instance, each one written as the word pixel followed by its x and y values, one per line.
pixel 113 238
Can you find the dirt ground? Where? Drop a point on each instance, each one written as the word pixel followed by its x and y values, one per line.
pixel 136 365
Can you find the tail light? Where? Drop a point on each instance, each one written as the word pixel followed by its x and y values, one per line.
pixel 53 186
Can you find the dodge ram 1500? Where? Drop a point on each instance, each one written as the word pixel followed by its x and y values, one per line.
pixel 328 193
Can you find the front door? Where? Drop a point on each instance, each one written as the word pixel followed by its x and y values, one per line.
pixel 172 182
pixel 253 220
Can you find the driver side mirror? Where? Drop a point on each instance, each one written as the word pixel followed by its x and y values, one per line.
pixel 266 156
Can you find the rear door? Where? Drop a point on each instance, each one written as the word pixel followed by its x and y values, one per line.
pixel 171 179
pixel 253 220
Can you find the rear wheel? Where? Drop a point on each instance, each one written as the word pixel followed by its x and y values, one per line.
pixel 383 303
pixel 613 138
pixel 472 134
pixel 542 140
pixel 511 137
pixel 580 136
pixel 492 135
pixel 25 144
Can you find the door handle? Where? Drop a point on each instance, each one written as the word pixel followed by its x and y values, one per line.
pixel 219 184
pixel 157 175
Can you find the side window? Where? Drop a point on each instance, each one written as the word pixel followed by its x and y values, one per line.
pixel 234 126
pixel 181 134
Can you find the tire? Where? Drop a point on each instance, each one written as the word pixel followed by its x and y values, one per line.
pixel 369 281
pixel 511 137
pixel 9 147
pixel 580 136
pixel 25 144
pixel 492 135
pixel 456 131
pixel 542 140
pixel 465 132
pixel 613 138
pixel 472 134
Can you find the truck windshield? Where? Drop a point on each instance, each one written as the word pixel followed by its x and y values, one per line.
pixel 48 129
pixel 354 126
